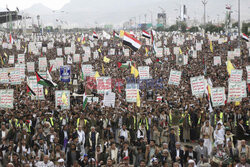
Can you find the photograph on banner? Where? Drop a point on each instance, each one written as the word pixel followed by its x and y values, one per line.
pixel 62 98
pixel 65 73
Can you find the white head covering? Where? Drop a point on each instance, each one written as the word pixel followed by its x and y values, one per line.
pixel 192 162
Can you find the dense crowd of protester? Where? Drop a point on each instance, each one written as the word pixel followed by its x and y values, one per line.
pixel 36 133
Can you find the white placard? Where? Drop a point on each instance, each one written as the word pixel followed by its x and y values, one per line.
pixel 175 77
pixel 144 72
pixel 197 85
pixel 218 96
pixel 6 98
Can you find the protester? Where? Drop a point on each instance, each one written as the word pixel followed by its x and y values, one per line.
pixel 48 129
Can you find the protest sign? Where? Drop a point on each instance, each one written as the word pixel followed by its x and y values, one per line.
pixel 30 66
pixel 6 98
pixel 42 64
pixel 217 60
pixel 59 62
pixel 131 92
pixel 159 52
pixel 4 77
pixel 103 85
pixel 76 58
pixel 175 77
pixel 65 73
pixel 62 98
pixel 21 58
pixel 21 68
pixel 143 72
pixel 11 59
pixel 218 96
pixel 109 99
pixel 198 46
pixel 234 91
pixel 236 75
pixel 248 74
pixel 38 90
pixel 197 85
pixel 59 51
pixel 87 70
pixel 52 64
pixel 126 52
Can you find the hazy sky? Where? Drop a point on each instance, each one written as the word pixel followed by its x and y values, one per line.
pixel 118 11
pixel 23 4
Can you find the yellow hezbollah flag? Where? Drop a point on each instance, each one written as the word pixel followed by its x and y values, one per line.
pixel 106 60
pixel 211 47
pixel 46 91
pixel 103 72
pixel 237 103
pixel 2 60
pixel 138 99
pixel 134 71
pixel 230 67
pixel 180 51
pixel 146 50
pixel 78 39
pixel 97 74
pixel 64 99
pixel 121 33
pixel 5 55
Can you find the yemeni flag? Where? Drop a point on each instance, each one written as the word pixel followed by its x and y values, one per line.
pixel 145 34
pixel 30 91
pixel 95 35
pixel 85 101
pixel 115 35
pixel 45 82
pixel 245 37
pixel 131 42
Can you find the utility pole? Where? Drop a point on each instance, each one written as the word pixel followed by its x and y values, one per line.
pixel 145 15
pixel 238 23
pixel 204 2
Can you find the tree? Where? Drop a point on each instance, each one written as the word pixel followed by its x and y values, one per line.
pixel 194 29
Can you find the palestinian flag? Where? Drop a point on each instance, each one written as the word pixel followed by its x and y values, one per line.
pixel 85 101
pixel 131 42
pixel 30 91
pixel 159 61
pixel 95 35
pixel 115 35
pixel 245 37
pixel 123 65
pixel 45 82
pixel 145 34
